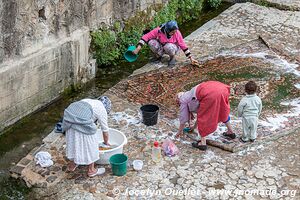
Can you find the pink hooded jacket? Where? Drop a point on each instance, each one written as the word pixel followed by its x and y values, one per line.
pixel 162 38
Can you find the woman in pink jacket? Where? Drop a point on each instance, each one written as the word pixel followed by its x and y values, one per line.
pixel 165 39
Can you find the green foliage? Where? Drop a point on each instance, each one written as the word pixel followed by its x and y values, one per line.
pixel 168 12
pixel 72 90
pixel 214 3
pixel 189 9
pixel 103 45
pixel 263 3
pixel 108 46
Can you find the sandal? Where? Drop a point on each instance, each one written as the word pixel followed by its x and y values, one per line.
pixel 73 169
pixel 229 136
pixel 172 61
pixel 201 147
pixel 156 59
pixel 242 140
pixel 99 171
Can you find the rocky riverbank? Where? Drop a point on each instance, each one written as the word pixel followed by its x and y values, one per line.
pixel 246 35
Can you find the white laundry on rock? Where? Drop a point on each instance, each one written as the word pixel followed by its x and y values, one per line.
pixel 43 158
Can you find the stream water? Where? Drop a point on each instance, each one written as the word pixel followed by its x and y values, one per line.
pixel 17 141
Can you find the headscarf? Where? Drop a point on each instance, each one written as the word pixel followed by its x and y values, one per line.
pixel 106 102
pixel 179 94
pixel 169 27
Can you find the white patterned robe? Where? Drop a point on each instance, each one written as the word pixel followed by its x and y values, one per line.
pixel 83 148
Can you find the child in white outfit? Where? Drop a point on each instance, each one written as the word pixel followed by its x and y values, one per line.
pixel 249 109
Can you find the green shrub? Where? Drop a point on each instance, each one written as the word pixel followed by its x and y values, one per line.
pixel 185 8
pixel 103 47
pixel 214 3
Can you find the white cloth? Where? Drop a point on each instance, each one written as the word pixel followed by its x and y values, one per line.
pixel 82 148
pixel 43 158
pixel 99 113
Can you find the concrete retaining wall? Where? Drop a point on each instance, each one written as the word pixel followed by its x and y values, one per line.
pixel 44 48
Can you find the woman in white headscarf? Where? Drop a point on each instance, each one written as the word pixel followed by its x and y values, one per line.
pixel 82 138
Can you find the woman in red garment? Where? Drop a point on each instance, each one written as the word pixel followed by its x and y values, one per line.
pixel 211 101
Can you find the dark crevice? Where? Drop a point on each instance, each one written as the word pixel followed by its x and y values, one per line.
pixel 42 13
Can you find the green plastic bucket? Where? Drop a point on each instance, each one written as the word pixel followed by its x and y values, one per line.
pixel 118 164
pixel 129 56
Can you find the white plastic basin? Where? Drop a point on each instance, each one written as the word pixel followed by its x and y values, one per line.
pixel 116 138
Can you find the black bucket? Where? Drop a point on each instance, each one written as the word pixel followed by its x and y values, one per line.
pixel 150 114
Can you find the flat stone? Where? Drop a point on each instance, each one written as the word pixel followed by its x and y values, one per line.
pixel 17 169
pixel 240 187
pixel 51 179
pixel 64 168
pixel 87 186
pixel 249 197
pixel 242 181
pixel 229 187
pixel 252 180
pixel 233 176
pixel 24 162
pixel 270 181
pixel 271 173
pixel 41 185
pixel 259 174
pixel 80 179
pixel 45 173
pixel 55 168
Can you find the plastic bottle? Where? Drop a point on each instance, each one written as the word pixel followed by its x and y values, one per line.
pixel 156 152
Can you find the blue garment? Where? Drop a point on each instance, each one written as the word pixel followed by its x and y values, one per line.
pixel 58 127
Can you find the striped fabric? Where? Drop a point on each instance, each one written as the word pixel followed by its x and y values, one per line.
pixel 78 116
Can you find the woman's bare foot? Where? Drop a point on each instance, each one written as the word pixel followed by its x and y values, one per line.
pixel 71 166
pixel 178 135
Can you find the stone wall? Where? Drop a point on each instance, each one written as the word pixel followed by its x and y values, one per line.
pixel 44 47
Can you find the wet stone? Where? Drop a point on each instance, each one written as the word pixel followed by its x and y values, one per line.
pixel 80 179
pixel 73 176
pixel 51 179
pixel 46 173
pixel 55 168
pixel 17 169
pixel 61 162
pixel 242 181
pixel 25 161
pixel 87 186
pixel 64 168
pixel 41 185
